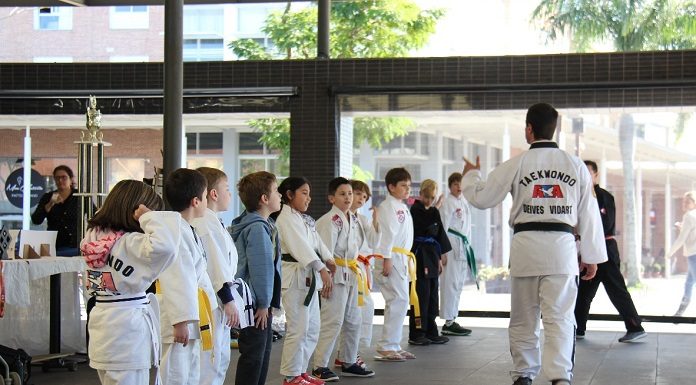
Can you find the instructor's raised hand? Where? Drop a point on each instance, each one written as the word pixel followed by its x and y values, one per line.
pixel 468 166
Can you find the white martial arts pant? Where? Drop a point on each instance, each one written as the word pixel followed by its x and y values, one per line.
pixel 180 364
pixel 552 296
pixel 214 363
pixel 367 312
pixel 124 377
pixel 451 285
pixel 302 330
pixel 340 316
pixel 395 292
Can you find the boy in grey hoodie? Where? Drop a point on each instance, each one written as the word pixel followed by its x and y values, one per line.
pixel 256 240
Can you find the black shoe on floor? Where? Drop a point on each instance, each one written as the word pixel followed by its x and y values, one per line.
pixel 633 336
pixel 455 330
pixel 522 381
pixel 356 370
pixel 325 374
pixel 560 382
pixel 419 341
pixel 438 340
pixel 579 335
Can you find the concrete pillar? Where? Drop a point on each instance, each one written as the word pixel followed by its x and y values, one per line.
pixel 323 27
pixel 230 165
pixel 639 214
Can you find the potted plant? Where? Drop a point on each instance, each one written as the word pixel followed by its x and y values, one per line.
pixel 496 279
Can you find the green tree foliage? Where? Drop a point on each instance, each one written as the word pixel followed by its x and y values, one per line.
pixel 359 29
pixel 631 25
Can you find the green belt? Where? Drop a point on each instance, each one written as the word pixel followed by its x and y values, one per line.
pixel 470 258
pixel 313 283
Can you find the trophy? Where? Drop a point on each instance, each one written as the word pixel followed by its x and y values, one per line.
pixel 91 195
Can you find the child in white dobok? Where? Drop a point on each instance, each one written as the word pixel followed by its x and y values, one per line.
pixel 456 219
pixel 221 255
pixel 340 312
pixel 305 268
pixel 126 248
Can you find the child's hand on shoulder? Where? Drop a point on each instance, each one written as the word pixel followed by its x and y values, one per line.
pixel 142 209
pixel 231 315
pixel 181 333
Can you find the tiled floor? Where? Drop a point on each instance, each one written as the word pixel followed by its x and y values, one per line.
pixel 484 359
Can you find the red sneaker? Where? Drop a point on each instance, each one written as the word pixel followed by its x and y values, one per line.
pixel 311 379
pixel 298 380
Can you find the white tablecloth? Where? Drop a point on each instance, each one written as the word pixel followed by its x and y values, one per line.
pixel 27 297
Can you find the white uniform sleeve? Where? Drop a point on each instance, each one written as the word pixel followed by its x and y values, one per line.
pixel 296 240
pixel 179 286
pixel 220 257
pixel 593 249
pixel 688 226
pixel 484 194
pixel 160 241
pixel 328 233
pixel 371 234
pixel 388 227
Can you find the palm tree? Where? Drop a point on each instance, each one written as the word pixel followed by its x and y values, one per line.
pixel 630 25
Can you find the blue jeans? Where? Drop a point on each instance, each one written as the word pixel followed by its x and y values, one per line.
pixel 67 252
pixel 690 279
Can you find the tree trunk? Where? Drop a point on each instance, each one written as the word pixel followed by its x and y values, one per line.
pixel 627 145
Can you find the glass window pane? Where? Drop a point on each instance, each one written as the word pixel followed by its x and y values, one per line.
pixel 210 141
pixel 249 143
pixel 191 141
pixel 247 166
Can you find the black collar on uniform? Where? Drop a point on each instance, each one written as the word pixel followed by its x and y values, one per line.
pixel 543 145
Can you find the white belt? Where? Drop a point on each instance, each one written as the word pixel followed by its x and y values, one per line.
pixel 152 311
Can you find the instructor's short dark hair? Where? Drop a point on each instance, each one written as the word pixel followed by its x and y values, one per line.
pixel 592 164
pixel 543 118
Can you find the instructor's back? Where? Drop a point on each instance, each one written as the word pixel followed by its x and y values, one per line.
pixel 553 198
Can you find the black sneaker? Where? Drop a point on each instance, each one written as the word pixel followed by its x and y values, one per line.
pixel 325 374
pixel 455 330
pixel 560 382
pixel 579 335
pixel 438 340
pixel 356 370
pixel 633 336
pixel 419 341
pixel 522 381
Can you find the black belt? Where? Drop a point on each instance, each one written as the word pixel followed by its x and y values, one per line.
pixel 312 284
pixel 543 226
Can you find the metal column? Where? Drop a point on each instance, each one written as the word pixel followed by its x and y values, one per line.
pixel 173 84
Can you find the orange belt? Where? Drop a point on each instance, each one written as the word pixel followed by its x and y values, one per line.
pixel 365 260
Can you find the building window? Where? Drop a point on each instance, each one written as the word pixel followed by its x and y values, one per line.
pixel 203 49
pixel 129 17
pixel 201 143
pixel 53 18
pixel 204 20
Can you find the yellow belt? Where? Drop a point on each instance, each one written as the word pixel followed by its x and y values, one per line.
pixel 205 315
pixel 352 264
pixel 413 296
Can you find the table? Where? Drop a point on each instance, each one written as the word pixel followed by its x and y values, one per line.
pixel 33 311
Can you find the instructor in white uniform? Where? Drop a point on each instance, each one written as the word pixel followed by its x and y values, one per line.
pixel 552 199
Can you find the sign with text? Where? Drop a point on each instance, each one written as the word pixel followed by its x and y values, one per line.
pixel 14 187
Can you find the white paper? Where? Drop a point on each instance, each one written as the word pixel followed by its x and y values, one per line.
pixel 35 239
